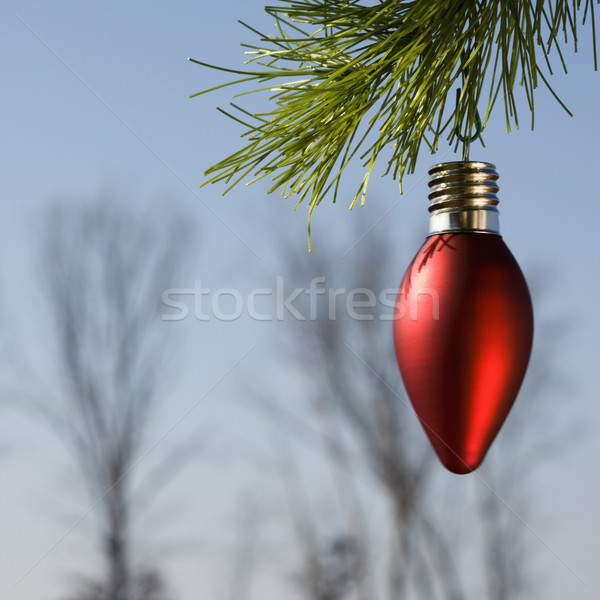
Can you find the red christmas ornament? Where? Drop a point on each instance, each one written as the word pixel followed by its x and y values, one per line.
pixel 464 324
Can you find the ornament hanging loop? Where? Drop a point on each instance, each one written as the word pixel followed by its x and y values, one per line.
pixel 466 140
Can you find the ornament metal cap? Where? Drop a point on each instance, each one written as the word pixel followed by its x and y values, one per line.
pixel 463 198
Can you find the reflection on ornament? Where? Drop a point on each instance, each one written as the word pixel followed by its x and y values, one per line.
pixel 465 322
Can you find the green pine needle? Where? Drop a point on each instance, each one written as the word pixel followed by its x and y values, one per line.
pixel 354 79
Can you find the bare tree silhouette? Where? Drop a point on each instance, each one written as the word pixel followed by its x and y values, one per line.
pixel 362 417
pixel 104 269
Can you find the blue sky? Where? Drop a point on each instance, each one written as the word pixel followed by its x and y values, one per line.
pixel 94 96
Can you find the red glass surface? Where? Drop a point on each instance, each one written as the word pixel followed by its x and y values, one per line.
pixel 463 337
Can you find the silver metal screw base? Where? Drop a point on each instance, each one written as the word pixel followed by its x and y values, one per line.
pixel 463 197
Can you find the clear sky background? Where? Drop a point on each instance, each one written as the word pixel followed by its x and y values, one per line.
pixel 94 96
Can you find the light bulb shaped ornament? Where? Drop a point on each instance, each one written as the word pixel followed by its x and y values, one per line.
pixel 464 323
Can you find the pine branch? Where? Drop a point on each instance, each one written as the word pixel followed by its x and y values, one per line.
pixel 355 79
